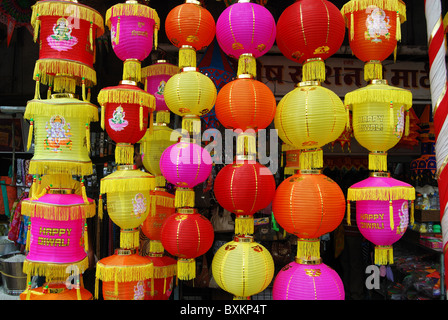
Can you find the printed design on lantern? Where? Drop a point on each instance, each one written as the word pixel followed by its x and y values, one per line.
pixel 237 46
pixel 118 122
pixel 377 24
pixel 261 47
pixel 61 39
pixel 399 127
pixel 160 89
pixel 139 204
pixel 313 272
pixel 139 291
pixel 58 135
pixel 297 55
pixel 257 249
pixel 192 38
pixel 113 35
pixel 230 247
pixel 404 219
pixel 322 50
pixel 181 217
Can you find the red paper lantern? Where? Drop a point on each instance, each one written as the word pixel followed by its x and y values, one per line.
pixel 162 206
pixel 160 286
pixel 309 32
pixel 244 187
pixel 187 235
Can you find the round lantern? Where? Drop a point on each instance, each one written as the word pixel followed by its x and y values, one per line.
pixel 244 187
pixel 382 211
pixel 309 117
pixel 185 165
pixel 308 280
pixel 190 27
pixel 67 32
pixel 379 112
pixel 61 130
pixel 124 275
pixel 243 267
pixel 124 116
pixel 246 31
pixel 375 28
pixel 56 291
pixel 309 32
pixel 190 93
pixel 128 201
pixel 245 103
pixel 161 284
pixel 132 27
pixel 187 235
pixel 308 205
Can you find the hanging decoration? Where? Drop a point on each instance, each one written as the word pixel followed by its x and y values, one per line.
pixel 160 285
pixel 57 290
pixel 374 30
pixel 134 29
pixel 382 211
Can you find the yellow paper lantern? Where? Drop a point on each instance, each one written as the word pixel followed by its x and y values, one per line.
pixel 61 130
pixel 243 267
pixel 128 201
pixel 309 117
pixel 380 117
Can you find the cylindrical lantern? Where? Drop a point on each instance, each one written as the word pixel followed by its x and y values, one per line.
pixel 61 130
pixel 187 235
pixel 309 32
pixel 124 116
pixel 308 280
pixel 246 31
pixel 309 117
pixel 382 211
pixel 132 27
pixel 161 284
pixel 128 201
pixel 375 28
pixel 56 291
pixel 243 267
pixel 244 188
pixel 308 205
pixel 380 117
pixel 67 30
pixel 124 276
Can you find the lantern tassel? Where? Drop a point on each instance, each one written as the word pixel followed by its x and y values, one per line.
pixel 28 237
pixel 33 188
pixel 373 69
pixel 86 238
pixel 124 153
pixel 352 26
pixel 132 70
pixel 91 35
pixel 412 213
pixel 378 161
pixel 97 282
pixel 28 288
pixel 186 269
pixel 129 238
pixel 83 84
pixel 407 124
pixel 140 117
pixel 192 125
pixel 313 70
pixel 156 246
pixel 187 57
pixel 247 64
pixel 347 117
pixel 100 207
pixel 49 93
pixel 83 192
pixel 244 225
pixel 163 117
pixel 391 215
pixel 398 27
pixel 308 248
pixel 391 115
pixel 88 137
pixel 383 255
pixel 30 134
pixel 311 159
pixel 184 197
pixel 156 36
pixel 246 144
pixel 36 29
pixel 78 292
pixel 146 84
pixel 102 116
pixel 349 219
pixel 37 88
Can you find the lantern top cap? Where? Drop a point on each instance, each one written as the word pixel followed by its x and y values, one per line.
pixel 380 174
pixel 308 83
pixel 308 261
pixel 193 2
pixel 189 69
pixel 186 210
pixel 243 238
pixel 245 76
pixel 128 82
pixel 310 171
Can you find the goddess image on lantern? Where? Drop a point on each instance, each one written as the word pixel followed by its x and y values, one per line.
pixel 139 291
pixel 377 24
pixel 139 204
pixel 61 39
pixel 118 122
pixel 57 135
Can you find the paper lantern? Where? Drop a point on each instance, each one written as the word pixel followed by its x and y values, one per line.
pixel 308 280
pixel 309 117
pixel 133 29
pixel 160 286
pixel 124 116
pixel 191 28
pixel 56 291
pixel 123 275
pixel 309 32
pixel 246 31
pixel 61 130
pixel 67 32
pixel 244 187
pixel 243 267
pixel 375 28
pixel 308 205
pixel 187 235
pixel 128 201
pixel 190 93
pixel 380 117
pixel 382 211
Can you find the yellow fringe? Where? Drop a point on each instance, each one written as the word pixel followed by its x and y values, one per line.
pixel 91 35
pixel 53 270
pixel 100 207
pixel 36 28
pixel 187 57
pixel 140 117
pixel 391 215
pixel 165 271
pixel 88 137
pixel 311 159
pixel 132 70
pixel 127 180
pixel 37 87
pixel 160 181
pixel 246 144
pixel 30 134
pixel 86 238
pixel 378 161
pixel 412 219
pixel 398 31
pixel 156 246
pixel 379 93
pixel 83 192
pixel 186 269
pixel 28 237
pixel 49 92
pixel 64 107
pixel 352 26
pixel 373 70
pixel 192 124
pixel 244 225
pixel 184 197
pixel 384 255
pixel 158 200
pixel 103 110
pixel 391 115
pixel 123 273
pixel 381 194
pixel 130 96
pixel 407 124
pixel 83 89
pixel 124 153
pixel 390 5
pixel 42 167
pixel 129 238
pixel 68 84
pixel 347 117
pixel 247 64
pixel 47 68
pixel 349 219
pixel 158 69
pixel 314 70
pixel 28 288
pixel 163 117
pixel 308 248
pixel 36 209
pixel 131 9
pixel 33 189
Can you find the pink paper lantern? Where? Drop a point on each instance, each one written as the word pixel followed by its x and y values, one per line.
pixel 185 164
pixel 297 281
pixel 245 28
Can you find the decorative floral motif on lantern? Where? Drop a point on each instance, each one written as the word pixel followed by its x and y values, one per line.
pixel 375 28
pixel 124 116
pixel 308 205
pixel 380 117
pixel 309 32
pixel 134 28
pixel 382 211
pixel 246 31
pixel 308 280
pixel 309 117
pixel 67 47
pixel 243 267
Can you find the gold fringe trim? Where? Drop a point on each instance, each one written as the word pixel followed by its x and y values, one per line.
pixel 407 124
pixel 127 180
pixel 131 9
pixel 192 124
pixel 311 159
pixel 28 237
pixel 160 181
pixel 373 70
pixel 124 153
pixel 132 70
pixel 100 207
pixel 120 95
pixel 308 248
pixel 412 217
pixel 158 200
pixel 247 64
pixel 159 69
pixel 53 270
pixel 384 255
pixel 314 70
pixel 46 69
pixel 349 220
pixel 184 197
pixel 244 225
pixel 187 57
pixel 163 117
pixel 129 238
pixel 378 161
pixel 390 5
pixel 186 269
pixel 30 134
pixel 42 167
pixel 381 194
pixel 165 271
pixel 71 108
pixel 246 144
pixel 36 209
pixel 67 84
pixel 156 246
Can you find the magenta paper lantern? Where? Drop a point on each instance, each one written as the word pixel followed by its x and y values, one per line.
pixel 300 281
